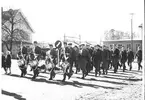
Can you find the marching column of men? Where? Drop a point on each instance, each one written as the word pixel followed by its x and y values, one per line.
pixel 84 58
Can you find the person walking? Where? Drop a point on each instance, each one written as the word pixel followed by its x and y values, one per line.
pixel 130 58
pixel 4 63
pixel 8 61
pixel 123 58
pixel 139 57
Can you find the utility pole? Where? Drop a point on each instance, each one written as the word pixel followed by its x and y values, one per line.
pixel 132 29
pixel 64 37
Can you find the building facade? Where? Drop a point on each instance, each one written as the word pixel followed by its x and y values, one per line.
pixel 22 24
pixel 125 43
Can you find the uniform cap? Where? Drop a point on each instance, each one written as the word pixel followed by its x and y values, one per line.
pixel 70 44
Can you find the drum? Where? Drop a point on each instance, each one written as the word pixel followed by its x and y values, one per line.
pixel 33 63
pixel 41 63
pixel 49 66
pixel 21 62
pixel 64 65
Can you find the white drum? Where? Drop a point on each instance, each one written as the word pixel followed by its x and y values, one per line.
pixel 21 62
pixel 64 66
pixel 41 62
pixel 49 66
pixel 33 63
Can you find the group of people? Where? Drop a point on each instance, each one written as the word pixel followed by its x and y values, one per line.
pixel 82 57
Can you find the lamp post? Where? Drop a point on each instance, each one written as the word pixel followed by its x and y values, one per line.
pixel 132 29
pixel 141 27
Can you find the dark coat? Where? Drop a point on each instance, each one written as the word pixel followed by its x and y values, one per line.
pixel 123 56
pixel 53 53
pixel 3 61
pixel 115 56
pixel 8 61
pixel 139 55
pixel 97 55
pixel 37 50
pixel 97 58
pixel 24 50
pixel 105 58
pixel 83 59
pixel 130 56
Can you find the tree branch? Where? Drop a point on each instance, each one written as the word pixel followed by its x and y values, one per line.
pixel 6 29
pixel 6 44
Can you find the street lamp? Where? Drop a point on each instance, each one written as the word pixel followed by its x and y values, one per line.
pixel 132 29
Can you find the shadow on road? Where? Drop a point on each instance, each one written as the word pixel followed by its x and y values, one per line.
pixel 15 75
pixel 16 96
pixel 112 82
pixel 74 83
pixel 38 75
pixel 126 79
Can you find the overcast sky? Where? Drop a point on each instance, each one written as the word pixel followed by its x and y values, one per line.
pixel 50 19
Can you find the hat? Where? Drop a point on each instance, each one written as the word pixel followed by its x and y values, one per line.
pixel 98 46
pixel 50 45
pixel 87 45
pixel 82 44
pixel 35 42
pixel 70 44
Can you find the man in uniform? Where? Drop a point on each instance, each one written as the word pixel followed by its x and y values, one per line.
pixel 115 58
pixel 97 58
pixel 53 55
pixel 110 60
pixel 24 51
pixel 89 64
pixel 84 58
pixel 139 57
pixel 69 52
pixel 105 59
pixel 130 57
pixel 37 52
pixel 76 50
pixel 123 58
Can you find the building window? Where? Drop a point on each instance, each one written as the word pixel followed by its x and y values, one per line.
pixel 119 46
pixel 128 45
pixel 111 46
pixel 137 45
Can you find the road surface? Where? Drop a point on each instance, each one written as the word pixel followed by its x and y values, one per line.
pixel 114 86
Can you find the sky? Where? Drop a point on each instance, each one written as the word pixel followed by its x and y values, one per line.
pixel 51 19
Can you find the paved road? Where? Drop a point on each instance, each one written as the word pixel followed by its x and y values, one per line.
pixel 114 86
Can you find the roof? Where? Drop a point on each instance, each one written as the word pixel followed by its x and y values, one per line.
pixel 122 40
pixel 6 17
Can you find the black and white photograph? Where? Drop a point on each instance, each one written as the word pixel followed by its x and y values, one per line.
pixel 72 50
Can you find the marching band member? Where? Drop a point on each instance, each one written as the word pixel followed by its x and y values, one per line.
pixel 115 58
pixel 139 57
pixel 22 64
pixel 89 64
pixel 130 58
pixel 97 58
pixel 76 54
pixel 105 60
pixel 84 57
pixel 67 56
pixel 53 59
pixel 36 54
pixel 123 58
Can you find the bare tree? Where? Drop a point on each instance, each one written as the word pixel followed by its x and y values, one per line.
pixel 116 35
pixel 10 30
